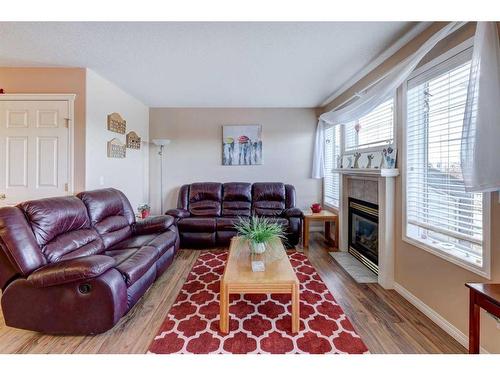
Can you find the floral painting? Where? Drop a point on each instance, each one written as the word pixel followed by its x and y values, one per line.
pixel 241 145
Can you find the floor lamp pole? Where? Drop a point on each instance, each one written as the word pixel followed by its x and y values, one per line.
pixel 161 179
pixel 161 142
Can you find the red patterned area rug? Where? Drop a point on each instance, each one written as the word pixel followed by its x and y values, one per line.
pixel 259 323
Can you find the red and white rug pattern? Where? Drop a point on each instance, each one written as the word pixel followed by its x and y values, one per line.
pixel 259 323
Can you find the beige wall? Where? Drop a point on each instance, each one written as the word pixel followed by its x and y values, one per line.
pixel 436 282
pixel 54 81
pixel 131 174
pixel 195 152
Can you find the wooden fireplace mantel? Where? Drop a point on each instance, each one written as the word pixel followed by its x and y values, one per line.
pixel 384 172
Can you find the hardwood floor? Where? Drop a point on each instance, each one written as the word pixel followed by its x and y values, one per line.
pixel 386 322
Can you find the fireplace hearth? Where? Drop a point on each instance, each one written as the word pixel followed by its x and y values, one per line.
pixel 363 232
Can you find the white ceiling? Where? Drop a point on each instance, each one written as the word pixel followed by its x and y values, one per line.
pixel 173 64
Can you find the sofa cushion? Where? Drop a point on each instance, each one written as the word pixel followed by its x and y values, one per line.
pixel 134 263
pixel 51 217
pixel 236 199
pixel 227 223
pixel 268 199
pixel 110 214
pixel 197 224
pixel 80 243
pixel 161 242
pixel 205 199
pixel 62 228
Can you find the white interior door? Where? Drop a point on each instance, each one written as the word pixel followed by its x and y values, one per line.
pixel 34 145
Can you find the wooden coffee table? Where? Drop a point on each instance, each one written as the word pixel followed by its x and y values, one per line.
pixel 278 277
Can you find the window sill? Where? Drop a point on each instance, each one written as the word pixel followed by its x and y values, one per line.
pixel 331 208
pixel 483 271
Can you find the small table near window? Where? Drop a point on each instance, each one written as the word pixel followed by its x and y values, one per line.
pixel 327 218
pixel 486 296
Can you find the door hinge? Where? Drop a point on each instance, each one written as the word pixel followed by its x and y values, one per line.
pixel 66 187
pixel 66 123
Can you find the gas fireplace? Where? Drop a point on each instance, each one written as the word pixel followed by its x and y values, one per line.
pixel 363 232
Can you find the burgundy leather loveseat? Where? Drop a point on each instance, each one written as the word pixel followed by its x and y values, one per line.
pixel 207 211
pixel 76 265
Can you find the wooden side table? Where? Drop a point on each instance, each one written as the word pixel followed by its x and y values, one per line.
pixel 327 218
pixel 486 296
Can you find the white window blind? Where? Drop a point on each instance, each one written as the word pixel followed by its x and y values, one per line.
pixel 439 213
pixel 372 130
pixel 331 182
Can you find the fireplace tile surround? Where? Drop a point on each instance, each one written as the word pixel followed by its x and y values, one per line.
pixel 376 187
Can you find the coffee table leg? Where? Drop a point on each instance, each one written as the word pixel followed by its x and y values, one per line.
pixel 224 308
pixel 295 308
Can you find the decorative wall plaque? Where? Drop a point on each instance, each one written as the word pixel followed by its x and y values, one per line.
pixel 116 149
pixel 116 123
pixel 133 140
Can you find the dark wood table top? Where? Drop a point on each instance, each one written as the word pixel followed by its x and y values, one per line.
pixel 490 291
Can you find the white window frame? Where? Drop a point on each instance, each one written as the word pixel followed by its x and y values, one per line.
pixel 485 269
pixel 343 152
pixel 373 148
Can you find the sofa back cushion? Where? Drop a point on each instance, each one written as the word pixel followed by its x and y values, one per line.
pixel 62 228
pixel 268 199
pixel 110 213
pixel 20 253
pixel 205 199
pixel 236 199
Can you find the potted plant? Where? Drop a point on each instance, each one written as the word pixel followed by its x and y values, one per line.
pixel 144 210
pixel 259 231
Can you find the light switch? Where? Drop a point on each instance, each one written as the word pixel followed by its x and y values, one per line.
pixel 101 180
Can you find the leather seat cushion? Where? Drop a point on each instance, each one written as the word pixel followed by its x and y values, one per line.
pixel 134 242
pixel 196 224
pixel 227 223
pixel 134 263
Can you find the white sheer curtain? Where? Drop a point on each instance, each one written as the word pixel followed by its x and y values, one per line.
pixel 373 96
pixel 481 129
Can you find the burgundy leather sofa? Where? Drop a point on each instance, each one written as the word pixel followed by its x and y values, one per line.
pixel 206 212
pixel 76 265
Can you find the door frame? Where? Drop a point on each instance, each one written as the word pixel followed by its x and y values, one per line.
pixel 70 100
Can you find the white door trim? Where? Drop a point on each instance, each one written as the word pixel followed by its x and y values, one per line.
pixel 70 99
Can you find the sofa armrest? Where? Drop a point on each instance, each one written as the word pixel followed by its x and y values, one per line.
pixel 293 212
pixel 178 213
pixel 71 270
pixel 155 224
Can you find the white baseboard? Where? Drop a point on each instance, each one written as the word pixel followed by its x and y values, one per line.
pixel 449 328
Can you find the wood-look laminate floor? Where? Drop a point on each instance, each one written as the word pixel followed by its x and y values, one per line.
pixel 386 322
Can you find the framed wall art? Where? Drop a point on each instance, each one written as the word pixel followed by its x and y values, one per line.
pixel 241 144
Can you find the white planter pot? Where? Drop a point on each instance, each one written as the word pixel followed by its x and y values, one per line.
pixel 258 248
